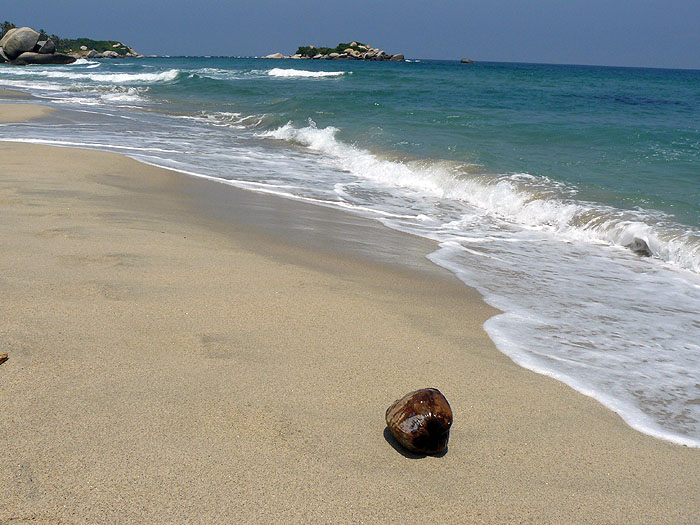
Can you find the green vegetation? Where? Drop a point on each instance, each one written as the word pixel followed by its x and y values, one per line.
pixel 73 45
pixel 310 51
pixel 5 27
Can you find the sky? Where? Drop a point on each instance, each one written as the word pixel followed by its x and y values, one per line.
pixel 644 33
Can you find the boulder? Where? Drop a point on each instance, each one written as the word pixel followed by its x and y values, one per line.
pixel 110 54
pixel 83 48
pixel 45 47
pixel 640 247
pixel 19 41
pixel 3 56
pixel 7 36
pixel 466 61
pixel 39 58
pixel 275 55
pixel 334 55
pixel 397 58
pixel 317 56
pixel 94 54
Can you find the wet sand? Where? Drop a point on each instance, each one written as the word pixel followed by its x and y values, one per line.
pixel 182 351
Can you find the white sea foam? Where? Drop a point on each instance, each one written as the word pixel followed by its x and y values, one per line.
pixel 280 72
pixel 95 145
pixel 106 78
pixel 225 119
pixel 82 62
pixel 577 306
pixel 536 203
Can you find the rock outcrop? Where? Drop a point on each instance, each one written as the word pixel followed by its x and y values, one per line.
pixel 18 41
pixel 353 51
pixel 466 61
pixel 109 53
pixel 21 47
pixel 45 47
pixel 29 57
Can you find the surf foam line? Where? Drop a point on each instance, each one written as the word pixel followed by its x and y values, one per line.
pixel 87 145
pixel 631 414
pixel 280 72
pixel 270 189
pixel 113 78
pixel 274 189
pixel 522 199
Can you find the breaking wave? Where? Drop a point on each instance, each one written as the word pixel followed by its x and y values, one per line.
pixel 279 72
pixel 532 202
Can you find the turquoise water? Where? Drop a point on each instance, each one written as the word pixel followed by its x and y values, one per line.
pixel 536 181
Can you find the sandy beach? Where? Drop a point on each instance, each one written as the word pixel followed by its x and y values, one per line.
pixel 185 352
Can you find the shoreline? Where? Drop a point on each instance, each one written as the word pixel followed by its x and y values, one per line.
pixel 628 412
pixel 120 392
pixel 18 110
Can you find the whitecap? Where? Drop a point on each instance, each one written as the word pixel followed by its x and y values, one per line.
pixel 280 72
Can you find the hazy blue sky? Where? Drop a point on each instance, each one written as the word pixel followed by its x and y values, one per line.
pixel 657 33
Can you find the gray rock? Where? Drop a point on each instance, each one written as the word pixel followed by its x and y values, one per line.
pixel 94 54
pixel 334 55
pixel 19 41
pixel 3 56
pixel 640 247
pixel 45 47
pixel 317 56
pixel 466 61
pixel 397 58
pixel 275 55
pixel 38 58
pixel 7 36
pixel 110 54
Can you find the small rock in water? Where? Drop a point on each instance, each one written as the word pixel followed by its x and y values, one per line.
pixel 420 421
pixel 640 247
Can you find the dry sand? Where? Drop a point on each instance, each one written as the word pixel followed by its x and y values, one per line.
pixel 184 352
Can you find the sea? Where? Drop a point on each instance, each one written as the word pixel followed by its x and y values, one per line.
pixel 569 196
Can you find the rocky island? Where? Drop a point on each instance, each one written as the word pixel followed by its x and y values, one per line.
pixel 352 51
pixel 24 45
